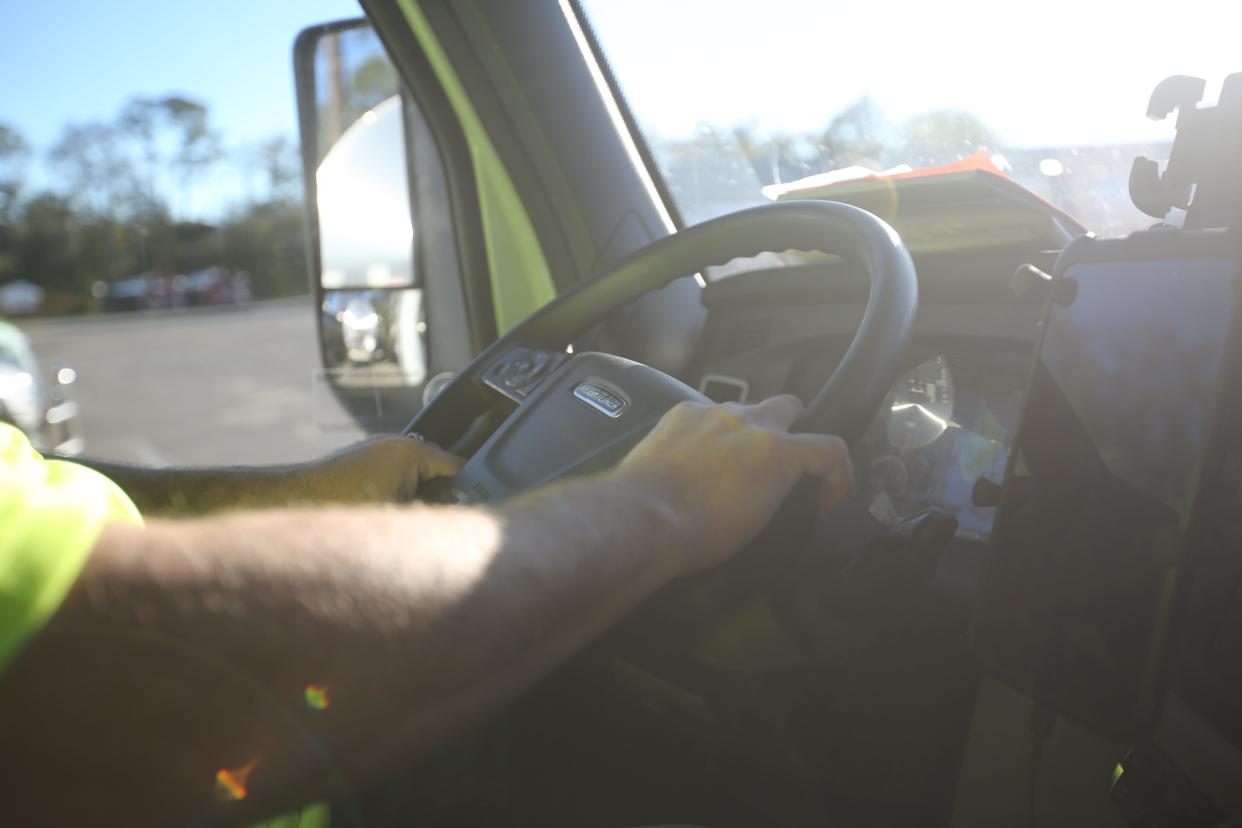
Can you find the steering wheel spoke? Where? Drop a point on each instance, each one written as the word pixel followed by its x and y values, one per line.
pixel 520 370
pixel 582 418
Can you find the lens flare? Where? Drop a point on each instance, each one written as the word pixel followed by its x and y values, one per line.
pixel 317 697
pixel 231 782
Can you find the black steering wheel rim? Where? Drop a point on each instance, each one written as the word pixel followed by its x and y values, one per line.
pixel 846 403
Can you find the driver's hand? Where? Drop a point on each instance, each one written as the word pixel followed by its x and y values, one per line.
pixel 729 467
pixel 380 470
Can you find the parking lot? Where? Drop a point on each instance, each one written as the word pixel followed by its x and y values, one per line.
pixel 230 385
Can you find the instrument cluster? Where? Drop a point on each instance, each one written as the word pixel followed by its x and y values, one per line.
pixel 946 423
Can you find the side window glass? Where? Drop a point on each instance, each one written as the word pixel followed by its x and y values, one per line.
pixel 154 300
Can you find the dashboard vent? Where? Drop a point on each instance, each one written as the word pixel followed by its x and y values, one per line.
pixel 743 335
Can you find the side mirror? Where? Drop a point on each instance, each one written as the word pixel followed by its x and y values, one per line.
pixel 361 229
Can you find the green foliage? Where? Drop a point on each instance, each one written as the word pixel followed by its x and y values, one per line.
pixel 943 136
pixel 114 218
pixel 170 136
pixel 13 154
pixel 374 80
pixel 267 241
pixel 860 134
pixel 357 76
pixel 98 173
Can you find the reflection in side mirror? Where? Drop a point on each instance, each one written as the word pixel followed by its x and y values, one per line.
pixel 366 235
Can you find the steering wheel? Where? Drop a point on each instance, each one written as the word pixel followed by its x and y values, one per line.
pixel 529 412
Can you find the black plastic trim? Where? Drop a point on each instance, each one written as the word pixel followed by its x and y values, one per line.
pixel 465 34
pixel 303 48
pixel 415 70
pixel 627 116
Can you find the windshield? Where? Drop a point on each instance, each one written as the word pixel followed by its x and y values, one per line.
pixel 741 101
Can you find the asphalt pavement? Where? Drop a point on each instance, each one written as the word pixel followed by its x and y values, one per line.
pixel 209 386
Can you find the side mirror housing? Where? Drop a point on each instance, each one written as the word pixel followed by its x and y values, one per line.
pixel 362 236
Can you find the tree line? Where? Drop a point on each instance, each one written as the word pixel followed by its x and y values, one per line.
pixel 121 202
pixel 123 198
pixel 718 166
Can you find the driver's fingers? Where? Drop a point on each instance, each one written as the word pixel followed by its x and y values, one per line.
pixel 828 458
pixel 777 412
pixel 434 461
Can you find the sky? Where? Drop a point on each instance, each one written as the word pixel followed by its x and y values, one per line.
pixel 1040 72
pixel 74 60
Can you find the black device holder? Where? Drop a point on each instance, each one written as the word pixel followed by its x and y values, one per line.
pixel 1203 175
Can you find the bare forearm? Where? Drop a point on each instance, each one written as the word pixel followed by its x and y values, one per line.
pixel 180 492
pixel 380 470
pixel 414 623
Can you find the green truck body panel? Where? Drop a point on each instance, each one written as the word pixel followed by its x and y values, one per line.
pixel 520 279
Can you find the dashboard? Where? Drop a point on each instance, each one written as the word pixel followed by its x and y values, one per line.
pixel 947 423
